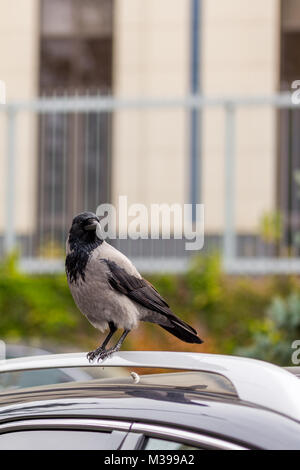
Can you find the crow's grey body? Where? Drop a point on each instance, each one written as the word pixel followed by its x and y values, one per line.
pixel 99 303
pixel 97 300
pixel 109 291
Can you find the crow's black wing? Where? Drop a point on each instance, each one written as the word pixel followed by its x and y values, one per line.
pixel 142 292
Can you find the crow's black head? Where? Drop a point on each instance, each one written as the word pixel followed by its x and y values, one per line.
pixel 84 227
pixel 83 239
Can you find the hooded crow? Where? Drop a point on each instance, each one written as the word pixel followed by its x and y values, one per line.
pixel 109 290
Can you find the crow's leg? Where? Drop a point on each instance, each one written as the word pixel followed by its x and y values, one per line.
pixel 106 353
pixel 93 354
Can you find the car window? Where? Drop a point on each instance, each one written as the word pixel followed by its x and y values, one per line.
pixel 152 443
pixel 61 440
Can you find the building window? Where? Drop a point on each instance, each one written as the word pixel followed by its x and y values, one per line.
pixel 289 128
pixel 74 149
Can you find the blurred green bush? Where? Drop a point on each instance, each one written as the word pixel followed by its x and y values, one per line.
pixel 273 335
pixel 258 317
pixel 35 306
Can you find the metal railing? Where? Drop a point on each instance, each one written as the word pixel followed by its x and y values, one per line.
pixel 75 134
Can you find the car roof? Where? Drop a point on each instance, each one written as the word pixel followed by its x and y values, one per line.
pixel 180 406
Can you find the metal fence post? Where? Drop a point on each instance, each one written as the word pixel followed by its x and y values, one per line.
pixel 9 229
pixel 196 112
pixel 229 248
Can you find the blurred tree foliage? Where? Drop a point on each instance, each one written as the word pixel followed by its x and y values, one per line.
pixel 273 336
pixel 271 227
pixel 35 306
pixel 249 316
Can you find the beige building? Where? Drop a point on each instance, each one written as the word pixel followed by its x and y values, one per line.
pixel 141 49
pixel 19 69
pixel 240 57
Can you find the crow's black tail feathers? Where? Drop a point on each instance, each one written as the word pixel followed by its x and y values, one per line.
pixel 189 335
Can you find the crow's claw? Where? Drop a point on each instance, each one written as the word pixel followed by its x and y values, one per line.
pixel 92 355
pixel 106 353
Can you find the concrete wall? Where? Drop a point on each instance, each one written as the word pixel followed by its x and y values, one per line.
pixel 150 59
pixel 240 42
pixel 241 58
pixel 19 47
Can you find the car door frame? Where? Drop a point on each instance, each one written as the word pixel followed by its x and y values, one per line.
pixel 139 431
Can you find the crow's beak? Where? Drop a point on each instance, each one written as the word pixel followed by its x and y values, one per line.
pixel 93 225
